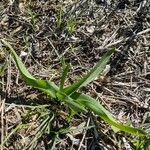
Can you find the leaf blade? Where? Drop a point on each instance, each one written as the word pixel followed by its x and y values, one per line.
pixel 98 109
pixel 46 86
pixel 95 71
pixel 64 75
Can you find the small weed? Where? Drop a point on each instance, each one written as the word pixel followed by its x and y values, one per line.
pixel 68 23
pixel 33 18
pixel 142 143
pixel 71 24
pixel 76 101
pixel 59 19
pixel 72 98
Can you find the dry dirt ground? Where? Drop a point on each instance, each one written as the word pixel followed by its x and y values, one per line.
pixel 44 31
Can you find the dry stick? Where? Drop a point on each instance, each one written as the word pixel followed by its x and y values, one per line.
pixel 121 40
pixel 8 77
pixel 84 135
pixel 53 47
pixel 2 122
pixel 75 7
pixel 66 50
pixel 10 106
pixel 110 38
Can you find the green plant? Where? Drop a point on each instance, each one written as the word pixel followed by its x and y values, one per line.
pixel 3 68
pixel 67 23
pixel 76 101
pixel 59 19
pixel 71 25
pixel 33 18
pixel 142 143
pixel 3 62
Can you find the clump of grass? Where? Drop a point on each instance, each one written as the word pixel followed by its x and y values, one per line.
pixel 33 18
pixel 59 19
pixel 142 143
pixel 69 24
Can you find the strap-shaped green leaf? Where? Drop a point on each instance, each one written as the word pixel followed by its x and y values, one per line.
pixel 98 109
pixel 64 74
pixel 46 86
pixel 99 67
pixel 24 72
pixel 70 102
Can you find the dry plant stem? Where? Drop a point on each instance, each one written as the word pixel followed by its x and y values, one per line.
pixel 122 40
pixel 65 51
pixel 110 38
pixel 2 121
pixel 84 134
pixel 8 85
pixel 53 48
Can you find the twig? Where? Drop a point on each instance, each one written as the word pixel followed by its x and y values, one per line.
pixel 84 135
pixel 121 40
pixel 53 48
pixel 2 122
